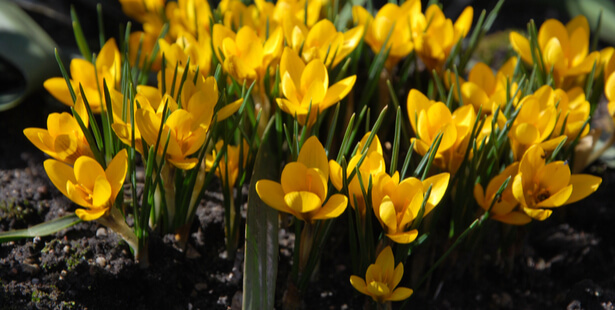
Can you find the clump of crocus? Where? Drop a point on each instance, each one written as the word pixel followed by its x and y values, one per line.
pixel 382 278
pixel 564 49
pixel 303 188
pixel 306 88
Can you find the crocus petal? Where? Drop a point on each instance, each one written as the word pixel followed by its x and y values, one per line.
pixel 101 193
pixel 332 209
pixel 400 293
pixel 116 171
pixel 313 155
pixel 513 218
pixel 183 163
pixel 87 170
pixel 404 237
pixel 229 109
pixel 294 177
pixel 335 172
pixel 521 45
pixel 388 215
pixel 359 284
pixel 464 21
pixel 90 215
pixel 338 91
pixel 439 184
pixel 582 186
pixel 58 88
pixel 302 202
pixel 293 64
pixel 556 199
pixel 386 260
pixel 538 214
pixel 272 194
pixel 59 174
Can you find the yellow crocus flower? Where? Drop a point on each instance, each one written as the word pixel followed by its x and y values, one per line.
pixel 84 73
pixel 565 49
pixel 534 124
pixel 322 41
pixel 185 135
pixel 186 128
pixel 372 165
pixel 434 35
pixel 187 47
pixel 88 184
pixel 244 55
pixel 572 108
pixel 228 166
pixel 189 16
pixel 486 90
pixel 505 209
pixel 393 19
pixel 303 188
pixel 397 204
pixel 539 186
pixel 382 278
pixel 63 139
pixel 306 86
pixel 429 118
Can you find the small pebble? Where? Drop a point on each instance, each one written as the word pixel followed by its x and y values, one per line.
pixel 66 249
pixel 63 273
pixel 30 268
pixel 101 232
pixel 36 240
pixel 101 261
pixel 42 189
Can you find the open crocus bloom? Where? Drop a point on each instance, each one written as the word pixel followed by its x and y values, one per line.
pixel 372 165
pixel 244 55
pixel 322 42
pixel 505 208
pixel 84 73
pixel 397 204
pixel 306 87
pixel 303 188
pixel 63 139
pixel 382 278
pixel 564 49
pixel 539 186
pixel 430 118
pixel 434 35
pixel 390 19
pixel 88 184
pixel 534 125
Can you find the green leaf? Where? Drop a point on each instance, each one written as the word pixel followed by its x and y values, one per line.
pixel 261 245
pixel 40 230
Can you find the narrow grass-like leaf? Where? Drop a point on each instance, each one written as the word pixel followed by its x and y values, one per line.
pixel 40 230
pixel 82 43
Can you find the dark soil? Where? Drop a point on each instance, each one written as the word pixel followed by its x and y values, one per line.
pixel 563 262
